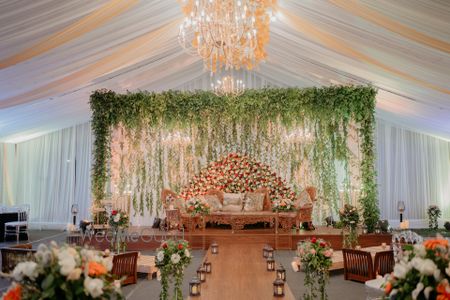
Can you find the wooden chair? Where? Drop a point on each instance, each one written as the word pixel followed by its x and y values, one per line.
pixel 125 266
pixel 22 246
pixel 357 265
pixel 12 256
pixel 384 262
pixel 75 240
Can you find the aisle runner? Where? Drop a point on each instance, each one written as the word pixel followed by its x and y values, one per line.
pixel 239 272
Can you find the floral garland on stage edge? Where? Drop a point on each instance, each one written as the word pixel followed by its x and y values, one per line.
pixel 171 259
pixel 422 272
pixel 315 256
pixel 236 173
pixel 64 273
pixel 119 221
pixel 349 218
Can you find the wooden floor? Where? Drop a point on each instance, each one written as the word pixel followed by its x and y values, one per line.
pixel 239 272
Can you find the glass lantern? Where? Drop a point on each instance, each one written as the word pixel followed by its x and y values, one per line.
pixel 194 287
pixel 74 211
pixel 201 274
pixel 281 273
pixel 207 266
pixel 401 208
pixel 365 230
pixel 265 251
pixel 214 248
pixel 270 264
pixel 270 252
pixel 278 288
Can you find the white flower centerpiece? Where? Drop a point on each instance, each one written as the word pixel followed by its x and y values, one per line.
pixel 172 258
pixel 118 221
pixel 64 273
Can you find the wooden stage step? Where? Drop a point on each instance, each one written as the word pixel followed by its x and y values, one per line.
pixel 239 272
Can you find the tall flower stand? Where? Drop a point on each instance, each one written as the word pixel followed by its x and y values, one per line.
pixel 118 240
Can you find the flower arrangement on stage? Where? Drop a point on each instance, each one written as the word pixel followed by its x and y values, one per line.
pixel 172 258
pixel 64 273
pixel 315 256
pixel 119 221
pixel 236 173
pixel 283 205
pixel 349 216
pixel 197 207
pixel 434 213
pixel 422 272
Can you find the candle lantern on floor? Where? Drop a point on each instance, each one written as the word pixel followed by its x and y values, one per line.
pixel 265 254
pixel 270 252
pixel 207 266
pixel 214 248
pixel 194 287
pixel 201 274
pixel 278 288
pixel 281 273
pixel 74 210
pixel 270 264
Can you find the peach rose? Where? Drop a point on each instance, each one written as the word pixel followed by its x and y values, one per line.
pixel 432 244
pixel 96 269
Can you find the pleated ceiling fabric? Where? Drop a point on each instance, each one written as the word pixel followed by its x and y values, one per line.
pixel 53 54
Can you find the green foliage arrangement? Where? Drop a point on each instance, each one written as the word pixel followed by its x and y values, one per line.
pixel 328 110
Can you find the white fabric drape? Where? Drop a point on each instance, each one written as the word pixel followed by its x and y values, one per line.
pixel 50 173
pixel 414 168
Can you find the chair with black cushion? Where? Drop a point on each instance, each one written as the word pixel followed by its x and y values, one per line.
pixel 12 256
pixel 384 262
pixel 358 265
pixel 19 227
pixel 125 266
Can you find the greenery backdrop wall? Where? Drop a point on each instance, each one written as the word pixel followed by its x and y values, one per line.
pixel 147 141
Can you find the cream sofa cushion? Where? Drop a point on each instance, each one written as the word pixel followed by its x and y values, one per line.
pixel 233 199
pixel 302 200
pixel 254 201
pixel 232 208
pixel 213 201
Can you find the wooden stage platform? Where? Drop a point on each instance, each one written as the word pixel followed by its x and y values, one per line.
pixel 145 238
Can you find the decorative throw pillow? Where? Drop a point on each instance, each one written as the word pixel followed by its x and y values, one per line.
pixel 302 200
pixel 254 201
pixel 213 201
pixel 233 199
pixel 232 208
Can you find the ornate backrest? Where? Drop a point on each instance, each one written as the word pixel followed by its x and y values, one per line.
pixel 12 256
pixel 75 240
pixel 312 191
pixel 125 266
pixel 358 265
pixel 384 262
pixel 399 239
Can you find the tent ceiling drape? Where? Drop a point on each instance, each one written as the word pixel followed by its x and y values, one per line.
pixel 54 53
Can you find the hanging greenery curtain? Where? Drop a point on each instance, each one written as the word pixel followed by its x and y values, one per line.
pixel 253 123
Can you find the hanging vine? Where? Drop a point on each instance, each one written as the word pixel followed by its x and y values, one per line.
pixel 258 123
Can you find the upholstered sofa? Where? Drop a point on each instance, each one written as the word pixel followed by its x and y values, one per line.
pixel 238 210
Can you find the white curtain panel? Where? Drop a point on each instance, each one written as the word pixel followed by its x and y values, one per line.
pixel 414 168
pixel 50 173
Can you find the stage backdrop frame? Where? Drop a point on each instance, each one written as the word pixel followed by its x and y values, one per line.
pixel 329 110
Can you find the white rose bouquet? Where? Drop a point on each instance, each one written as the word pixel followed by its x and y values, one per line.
pixel 64 273
pixel 422 272
pixel 119 218
pixel 172 258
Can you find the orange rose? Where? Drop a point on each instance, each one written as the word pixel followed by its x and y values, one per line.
pixel 96 269
pixel 432 244
pixel 388 288
pixel 441 289
pixel 14 293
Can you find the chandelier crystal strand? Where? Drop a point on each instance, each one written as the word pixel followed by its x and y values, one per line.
pixel 226 34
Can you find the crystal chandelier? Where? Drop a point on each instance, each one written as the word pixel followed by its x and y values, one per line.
pixel 228 86
pixel 226 34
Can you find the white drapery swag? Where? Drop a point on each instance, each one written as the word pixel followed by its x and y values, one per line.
pixel 50 173
pixel 53 171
